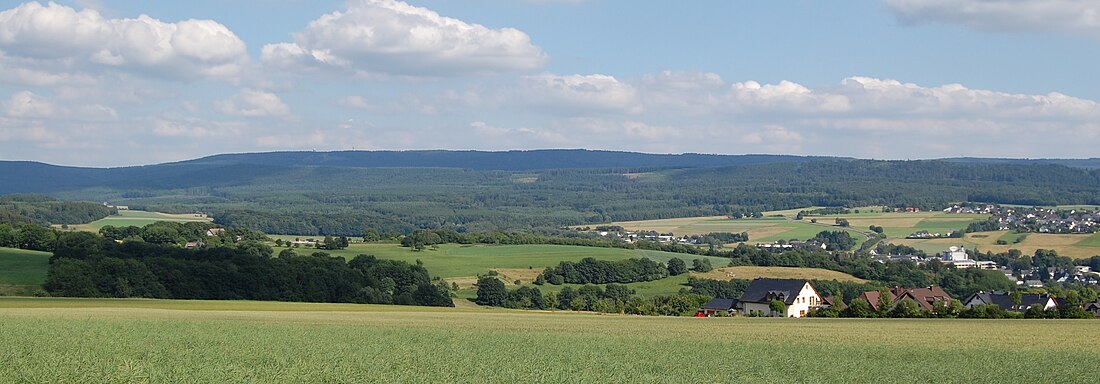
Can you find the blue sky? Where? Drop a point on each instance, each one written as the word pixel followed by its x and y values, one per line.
pixel 109 83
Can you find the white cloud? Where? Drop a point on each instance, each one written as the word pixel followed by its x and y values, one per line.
pixel 391 37
pixel 254 103
pixel 578 94
pixel 28 105
pixel 58 41
pixel 1081 17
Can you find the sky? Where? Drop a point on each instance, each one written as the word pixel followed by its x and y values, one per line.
pixel 130 82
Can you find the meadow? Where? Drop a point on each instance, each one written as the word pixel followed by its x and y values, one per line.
pixel 101 341
pixel 138 219
pixel 22 272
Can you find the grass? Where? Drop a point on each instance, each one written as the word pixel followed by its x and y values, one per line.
pixel 750 272
pixel 22 272
pixel 137 219
pixel 99 341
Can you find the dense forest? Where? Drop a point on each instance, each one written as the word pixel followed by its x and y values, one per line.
pixel 347 193
pixel 43 210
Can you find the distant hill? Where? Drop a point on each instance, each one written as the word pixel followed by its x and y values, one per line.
pixel 235 169
pixel 1090 163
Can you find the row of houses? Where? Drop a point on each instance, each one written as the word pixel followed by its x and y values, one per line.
pixel 800 296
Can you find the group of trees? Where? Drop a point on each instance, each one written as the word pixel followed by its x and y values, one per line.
pixel 611 298
pixel 88 265
pixel 27 236
pixel 168 232
pixel 835 240
pixel 592 271
pixel 42 210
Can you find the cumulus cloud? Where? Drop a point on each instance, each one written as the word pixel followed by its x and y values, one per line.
pixel 570 94
pixel 1080 17
pixel 390 37
pixel 63 40
pixel 252 103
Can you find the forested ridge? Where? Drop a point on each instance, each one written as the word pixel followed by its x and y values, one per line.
pixel 344 193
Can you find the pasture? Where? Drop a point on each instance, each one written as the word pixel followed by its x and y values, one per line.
pixel 99 341
pixel 138 219
pixel 22 272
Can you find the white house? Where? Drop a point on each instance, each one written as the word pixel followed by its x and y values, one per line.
pixel 798 296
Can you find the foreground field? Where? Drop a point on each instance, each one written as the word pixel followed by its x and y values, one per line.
pixel 137 219
pixel 92 341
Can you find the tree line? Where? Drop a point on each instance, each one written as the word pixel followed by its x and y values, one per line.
pixel 42 210
pixel 611 298
pixel 88 265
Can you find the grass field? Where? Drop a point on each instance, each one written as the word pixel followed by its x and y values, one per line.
pixel 22 272
pixel 100 341
pixel 136 218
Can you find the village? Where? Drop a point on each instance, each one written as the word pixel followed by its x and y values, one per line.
pixel 1034 219
pixel 769 297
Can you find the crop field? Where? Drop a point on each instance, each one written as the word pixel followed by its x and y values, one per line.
pixel 1076 246
pixel 138 219
pixel 765 229
pixel 22 272
pixel 100 341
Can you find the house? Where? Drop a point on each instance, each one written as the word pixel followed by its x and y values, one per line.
pixel 1093 307
pixel 798 296
pixel 718 306
pixel 193 244
pixel 1004 300
pixel 925 298
pixel 215 232
pixel 833 302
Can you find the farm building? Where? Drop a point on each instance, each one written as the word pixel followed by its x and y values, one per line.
pixel 798 296
pixel 719 307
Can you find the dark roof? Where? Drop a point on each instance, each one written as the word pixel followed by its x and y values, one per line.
pixel 1004 299
pixel 763 290
pixel 725 304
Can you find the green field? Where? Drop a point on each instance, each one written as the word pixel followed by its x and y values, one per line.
pixel 138 219
pixel 22 272
pixel 101 341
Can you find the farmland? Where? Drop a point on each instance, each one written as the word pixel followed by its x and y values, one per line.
pixel 896 225
pixel 90 340
pixel 22 272
pixel 137 219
